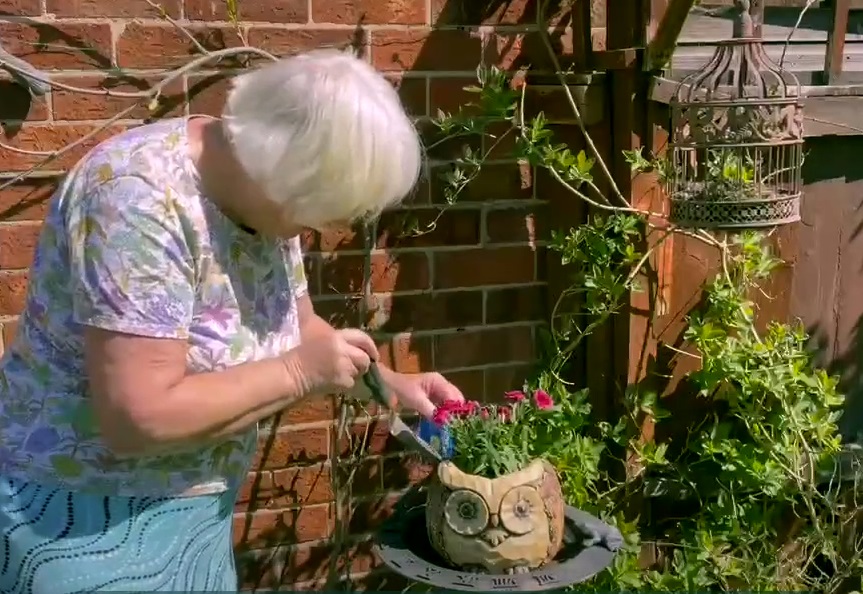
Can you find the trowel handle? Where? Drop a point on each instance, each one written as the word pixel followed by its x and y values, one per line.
pixel 375 383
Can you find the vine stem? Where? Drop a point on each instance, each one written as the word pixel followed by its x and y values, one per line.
pixel 546 40
pixel 153 93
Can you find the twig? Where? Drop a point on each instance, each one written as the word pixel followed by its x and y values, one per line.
pixel 153 93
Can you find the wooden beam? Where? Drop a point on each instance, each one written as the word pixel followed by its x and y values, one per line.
pixel 661 47
pixel 756 9
pixel 836 42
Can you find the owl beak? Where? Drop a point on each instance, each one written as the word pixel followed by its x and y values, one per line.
pixel 494 520
pixel 494 536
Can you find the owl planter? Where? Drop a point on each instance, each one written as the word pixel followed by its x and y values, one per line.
pixel 509 524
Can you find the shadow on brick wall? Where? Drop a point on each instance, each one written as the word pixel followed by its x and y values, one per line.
pixel 289 500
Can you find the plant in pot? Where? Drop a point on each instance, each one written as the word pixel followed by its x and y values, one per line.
pixel 496 504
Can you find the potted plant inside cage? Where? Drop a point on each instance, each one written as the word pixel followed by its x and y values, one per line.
pixel 495 504
pixel 727 187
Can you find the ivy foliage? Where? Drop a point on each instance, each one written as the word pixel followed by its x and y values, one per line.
pixel 740 497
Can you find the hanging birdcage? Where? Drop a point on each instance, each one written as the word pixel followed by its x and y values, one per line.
pixel 736 148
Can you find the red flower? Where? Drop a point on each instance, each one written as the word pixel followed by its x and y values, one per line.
pixel 451 405
pixel 441 416
pixel 542 400
pixel 514 396
pixel 504 413
pixel 470 407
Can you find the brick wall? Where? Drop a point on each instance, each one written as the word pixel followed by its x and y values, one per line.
pixel 465 299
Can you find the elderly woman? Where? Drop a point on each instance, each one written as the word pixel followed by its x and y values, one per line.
pixel 168 313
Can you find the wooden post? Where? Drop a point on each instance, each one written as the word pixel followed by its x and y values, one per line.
pixel 836 42
pixel 664 41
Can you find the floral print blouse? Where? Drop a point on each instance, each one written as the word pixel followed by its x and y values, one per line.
pixel 131 245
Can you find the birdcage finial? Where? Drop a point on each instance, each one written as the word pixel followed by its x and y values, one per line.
pixel 743 27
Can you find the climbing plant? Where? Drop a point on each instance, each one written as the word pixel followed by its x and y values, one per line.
pixel 749 496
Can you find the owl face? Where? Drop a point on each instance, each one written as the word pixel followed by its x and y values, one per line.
pixel 494 523
pixel 515 512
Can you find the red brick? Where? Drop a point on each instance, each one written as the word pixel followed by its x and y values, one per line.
pixel 339 311
pixel 445 148
pixel 161 45
pixel 284 42
pixel 69 105
pixel 428 227
pixel 335 238
pixel 59 45
pixel 426 50
pixel 499 380
pixel 471 382
pixel 494 182
pixel 406 353
pixel 286 488
pixel 484 266
pixel 448 94
pixel 472 348
pixel 207 93
pixel 510 51
pixel 389 272
pixel 13 292
pixel 364 476
pixel 315 409
pixel 518 304
pixel 18 244
pixel 114 8
pixel 51 138
pixel 266 528
pixel 22 8
pixel 428 311
pixel 516 225
pixel 366 439
pixel 271 11
pixel 369 12
pixel 19 105
pixel 26 200
pixel 412 91
pixel 289 448
pixel 513 12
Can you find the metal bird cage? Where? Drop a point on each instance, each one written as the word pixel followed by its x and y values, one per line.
pixel 737 139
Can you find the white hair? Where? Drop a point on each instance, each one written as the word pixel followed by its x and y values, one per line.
pixel 324 134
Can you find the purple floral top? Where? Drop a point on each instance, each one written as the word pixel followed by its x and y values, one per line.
pixel 131 245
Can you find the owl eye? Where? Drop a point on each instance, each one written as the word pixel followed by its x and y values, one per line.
pixel 466 512
pixel 518 509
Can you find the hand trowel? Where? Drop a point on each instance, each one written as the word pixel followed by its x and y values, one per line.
pixel 398 428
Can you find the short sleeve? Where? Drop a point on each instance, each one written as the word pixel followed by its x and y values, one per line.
pixel 296 267
pixel 131 266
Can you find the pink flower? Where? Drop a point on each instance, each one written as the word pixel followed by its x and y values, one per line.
pixel 470 407
pixel 441 417
pixel 484 414
pixel 451 405
pixel 542 400
pixel 514 396
pixel 505 413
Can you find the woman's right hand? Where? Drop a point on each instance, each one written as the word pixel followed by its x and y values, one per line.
pixel 332 361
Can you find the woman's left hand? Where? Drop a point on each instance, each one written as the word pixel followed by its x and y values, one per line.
pixel 420 392
pixel 423 392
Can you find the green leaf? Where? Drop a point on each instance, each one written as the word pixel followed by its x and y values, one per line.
pixel 66 466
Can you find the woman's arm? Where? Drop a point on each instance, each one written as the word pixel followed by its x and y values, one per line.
pixel 134 288
pixel 145 403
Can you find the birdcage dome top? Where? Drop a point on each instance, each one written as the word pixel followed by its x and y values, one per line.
pixel 740 71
